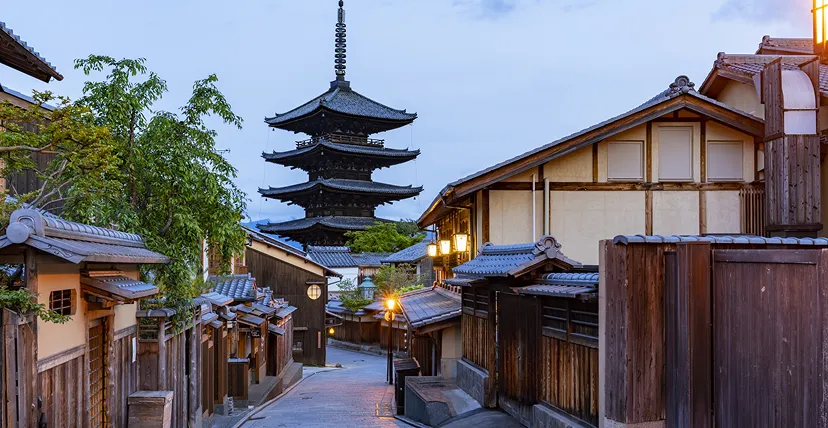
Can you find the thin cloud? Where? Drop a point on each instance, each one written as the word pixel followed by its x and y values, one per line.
pixel 764 11
pixel 493 9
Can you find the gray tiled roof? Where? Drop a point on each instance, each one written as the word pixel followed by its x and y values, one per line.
pixel 462 280
pixel 332 257
pixel 76 242
pixel 343 148
pixel 217 299
pixel 718 239
pixel 334 222
pixel 276 330
pixel 251 319
pixel 369 259
pixel 284 312
pixel 238 287
pixel 748 65
pixel 412 254
pixel 24 97
pixel 428 306
pixel 346 185
pixel 50 69
pixel 346 101
pixel 119 287
pixel 507 260
pixel 563 285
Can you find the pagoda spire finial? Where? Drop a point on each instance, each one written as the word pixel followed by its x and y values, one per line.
pixel 340 43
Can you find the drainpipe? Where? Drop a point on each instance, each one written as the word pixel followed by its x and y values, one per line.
pixel 534 215
pixel 546 206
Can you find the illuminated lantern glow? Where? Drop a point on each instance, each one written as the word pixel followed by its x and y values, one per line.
pixel 445 247
pixel 820 17
pixel 390 303
pixel 431 250
pixel 461 242
pixel 331 331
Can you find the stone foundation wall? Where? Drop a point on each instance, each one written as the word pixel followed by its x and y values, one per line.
pixel 477 383
pixel 544 416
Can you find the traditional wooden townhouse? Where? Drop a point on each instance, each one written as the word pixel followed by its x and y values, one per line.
pixel 79 373
pixel 680 163
pixel 290 274
pixel 416 257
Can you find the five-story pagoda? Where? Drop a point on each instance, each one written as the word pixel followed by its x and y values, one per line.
pixel 339 157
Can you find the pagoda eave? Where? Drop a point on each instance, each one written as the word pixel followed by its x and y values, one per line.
pixel 323 120
pixel 320 230
pixel 373 157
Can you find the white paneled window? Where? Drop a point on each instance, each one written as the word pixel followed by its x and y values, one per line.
pixel 725 161
pixel 625 160
pixel 675 153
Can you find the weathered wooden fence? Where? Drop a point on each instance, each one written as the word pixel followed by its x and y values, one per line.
pixel 18 373
pixel 741 321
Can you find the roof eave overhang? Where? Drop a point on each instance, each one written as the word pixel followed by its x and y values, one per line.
pixel 32 65
pixel 466 188
pixel 288 124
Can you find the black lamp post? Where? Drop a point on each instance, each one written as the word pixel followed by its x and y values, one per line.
pixel 389 316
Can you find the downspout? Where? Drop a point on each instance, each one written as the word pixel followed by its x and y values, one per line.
pixel 534 215
pixel 546 212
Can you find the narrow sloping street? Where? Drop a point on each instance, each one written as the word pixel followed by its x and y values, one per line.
pixel 355 395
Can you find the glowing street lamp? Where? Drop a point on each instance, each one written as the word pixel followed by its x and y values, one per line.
pixel 389 316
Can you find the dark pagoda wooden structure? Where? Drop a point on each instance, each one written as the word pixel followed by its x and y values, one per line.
pixel 339 157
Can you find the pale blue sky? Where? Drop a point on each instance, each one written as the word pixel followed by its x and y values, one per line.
pixel 490 79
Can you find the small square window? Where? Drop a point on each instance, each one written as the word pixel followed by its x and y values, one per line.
pixel 625 160
pixel 725 160
pixel 60 301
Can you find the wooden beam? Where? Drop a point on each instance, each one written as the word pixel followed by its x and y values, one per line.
pixel 703 147
pixel 702 212
pixel 648 152
pixel 615 186
pixel 594 163
pixel 485 225
pixel 648 212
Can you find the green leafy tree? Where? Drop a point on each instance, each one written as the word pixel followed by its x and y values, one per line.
pixel 175 188
pixel 391 281
pixel 80 160
pixel 351 296
pixel 384 238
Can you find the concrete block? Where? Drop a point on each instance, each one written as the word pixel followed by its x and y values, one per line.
pixel 544 416
pixel 477 383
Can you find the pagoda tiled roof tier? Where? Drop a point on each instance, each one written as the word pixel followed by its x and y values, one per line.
pixel 380 191
pixel 380 156
pixel 341 109
pixel 327 230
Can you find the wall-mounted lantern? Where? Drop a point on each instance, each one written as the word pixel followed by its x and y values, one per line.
pixel 431 249
pixel 445 247
pixel 820 31
pixel 461 242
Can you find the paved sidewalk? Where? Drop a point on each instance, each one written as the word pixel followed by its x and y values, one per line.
pixel 353 396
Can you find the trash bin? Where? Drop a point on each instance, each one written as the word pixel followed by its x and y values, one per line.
pixel 403 368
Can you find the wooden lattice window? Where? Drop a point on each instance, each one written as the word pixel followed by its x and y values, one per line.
pixel 476 301
pixel 571 320
pixel 60 301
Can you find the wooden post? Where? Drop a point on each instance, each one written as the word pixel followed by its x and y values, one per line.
pixel 9 369
pixel 687 335
pixel 109 329
pixel 192 386
pixel 28 378
pixel 162 357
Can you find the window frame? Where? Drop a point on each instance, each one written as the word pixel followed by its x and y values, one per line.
pixel 642 148
pixel 62 299
pixel 570 320
pixel 741 145
pixel 691 159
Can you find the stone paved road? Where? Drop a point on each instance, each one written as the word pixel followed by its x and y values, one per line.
pixel 355 395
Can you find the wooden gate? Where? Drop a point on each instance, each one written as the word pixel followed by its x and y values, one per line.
pixel 767 337
pixel 518 330
pixel 97 374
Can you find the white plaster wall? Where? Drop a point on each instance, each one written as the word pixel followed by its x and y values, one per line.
pixel 675 213
pixel 723 212
pixel 125 316
pixel 510 216
pixel 580 219
pixel 478 223
pixel 743 97
pixel 452 351
pixel 572 167
pixel 54 338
